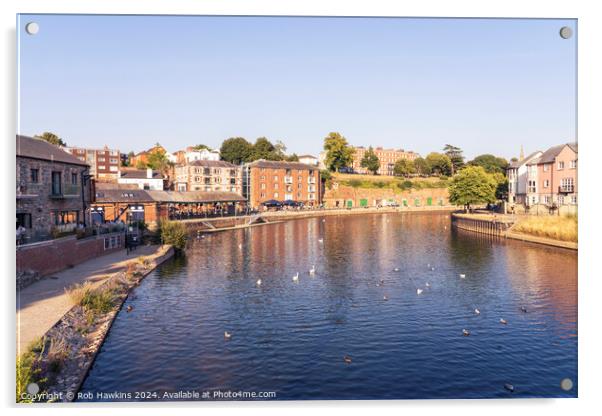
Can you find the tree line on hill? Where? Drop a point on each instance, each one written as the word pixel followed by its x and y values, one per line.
pixel 480 180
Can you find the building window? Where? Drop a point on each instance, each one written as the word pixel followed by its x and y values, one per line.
pixel 262 195
pixel 23 220
pixel 545 168
pixel 35 175
pixel 532 187
pixel 566 185
pixel 263 186
pixel 560 200
pixel 275 194
pixel 275 186
pixel 73 178
pixel 574 199
pixel 548 199
pixel 560 165
pixel 56 183
pixel 275 178
pixel 573 164
pixel 546 183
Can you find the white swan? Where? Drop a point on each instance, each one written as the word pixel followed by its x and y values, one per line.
pixel 312 271
pixel 227 335
pixel 418 291
pixel 296 277
pixel 462 276
pixel 396 269
pixel 477 311
pixel 258 282
pixel 428 284
pixel 503 321
pixel 465 332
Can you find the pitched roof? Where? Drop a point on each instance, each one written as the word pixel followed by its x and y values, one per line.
pixel 273 164
pixel 527 159
pixel 306 156
pixel 123 195
pixel 195 196
pixel 212 163
pixel 36 148
pixel 550 154
pixel 139 174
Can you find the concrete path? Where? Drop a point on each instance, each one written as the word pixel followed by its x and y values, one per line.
pixel 43 303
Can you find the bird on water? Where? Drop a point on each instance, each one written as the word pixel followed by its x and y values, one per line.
pixel 347 359
pixel 296 277
pixel 465 332
pixel 227 335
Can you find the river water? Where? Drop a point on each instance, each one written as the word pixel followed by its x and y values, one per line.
pixel 291 337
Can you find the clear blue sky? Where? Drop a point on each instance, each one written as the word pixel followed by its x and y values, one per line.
pixel 487 86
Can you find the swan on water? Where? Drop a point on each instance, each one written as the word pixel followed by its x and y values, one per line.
pixel 465 332
pixel 312 271
pixel 477 311
pixel 227 335
pixel 296 277
pixel 462 276
pixel 503 321
pixel 258 282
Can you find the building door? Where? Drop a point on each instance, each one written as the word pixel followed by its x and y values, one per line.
pixel 56 183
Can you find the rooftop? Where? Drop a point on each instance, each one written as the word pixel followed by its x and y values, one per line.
pixel 139 174
pixel 273 164
pixel 212 163
pixel 36 148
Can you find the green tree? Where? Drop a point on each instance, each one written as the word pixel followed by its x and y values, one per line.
pixel 339 154
pixel 455 156
pixel 370 161
pixel 236 150
pixel 439 163
pixel 404 167
pixel 326 177
pixel 157 160
pixel 199 147
pixel 292 158
pixel 262 149
pixel 501 189
pixel 421 166
pixel 174 233
pixel 52 139
pixel 472 185
pixel 491 163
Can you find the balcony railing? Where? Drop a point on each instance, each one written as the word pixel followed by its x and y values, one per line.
pixel 67 191
pixel 567 189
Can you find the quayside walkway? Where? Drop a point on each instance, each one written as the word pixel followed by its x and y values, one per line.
pixel 43 303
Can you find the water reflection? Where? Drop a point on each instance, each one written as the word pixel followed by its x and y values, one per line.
pixel 290 337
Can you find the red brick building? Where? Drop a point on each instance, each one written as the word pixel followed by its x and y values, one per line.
pixel 386 157
pixel 104 163
pixel 265 180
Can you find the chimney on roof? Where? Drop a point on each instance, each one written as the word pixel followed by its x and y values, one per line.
pixel 149 173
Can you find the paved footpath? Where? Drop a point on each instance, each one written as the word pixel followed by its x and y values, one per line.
pixel 43 303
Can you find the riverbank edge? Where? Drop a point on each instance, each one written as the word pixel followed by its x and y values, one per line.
pixel 83 349
pixel 519 236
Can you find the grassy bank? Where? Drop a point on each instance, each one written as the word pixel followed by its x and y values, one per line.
pixel 393 183
pixel 558 228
